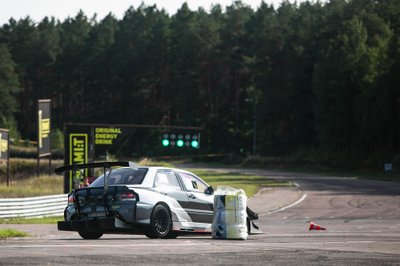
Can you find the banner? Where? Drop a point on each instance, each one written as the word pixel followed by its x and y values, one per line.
pixel 4 149
pixel 78 150
pixel 79 153
pixel 44 116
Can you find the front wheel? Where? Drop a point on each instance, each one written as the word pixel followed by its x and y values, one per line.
pixel 160 223
pixel 90 235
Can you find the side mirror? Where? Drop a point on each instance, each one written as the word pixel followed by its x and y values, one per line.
pixel 209 190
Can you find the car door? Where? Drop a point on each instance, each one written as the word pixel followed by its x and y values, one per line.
pixel 200 205
pixel 166 183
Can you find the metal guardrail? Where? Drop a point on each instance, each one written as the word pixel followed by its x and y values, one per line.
pixel 44 206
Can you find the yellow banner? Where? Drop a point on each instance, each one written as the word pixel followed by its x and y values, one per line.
pixel 79 151
pixel 3 145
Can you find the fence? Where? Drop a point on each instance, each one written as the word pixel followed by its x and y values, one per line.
pixel 45 206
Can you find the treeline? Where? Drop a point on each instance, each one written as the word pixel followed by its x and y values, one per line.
pixel 319 78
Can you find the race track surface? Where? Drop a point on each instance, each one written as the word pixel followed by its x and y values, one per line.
pixel 362 218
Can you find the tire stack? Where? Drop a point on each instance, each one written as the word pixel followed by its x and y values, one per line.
pixel 230 217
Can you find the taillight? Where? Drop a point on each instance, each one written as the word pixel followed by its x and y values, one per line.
pixel 126 196
pixel 71 199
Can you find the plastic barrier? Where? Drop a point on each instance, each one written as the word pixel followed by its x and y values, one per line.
pixel 230 216
pixel 45 206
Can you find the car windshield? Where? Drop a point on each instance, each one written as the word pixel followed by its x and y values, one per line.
pixel 122 176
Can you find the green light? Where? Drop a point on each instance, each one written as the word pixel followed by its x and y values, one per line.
pixel 194 143
pixel 179 143
pixel 165 142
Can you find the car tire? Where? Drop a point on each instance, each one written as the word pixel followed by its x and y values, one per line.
pixel 90 235
pixel 160 223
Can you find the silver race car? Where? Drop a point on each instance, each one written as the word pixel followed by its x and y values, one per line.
pixel 156 201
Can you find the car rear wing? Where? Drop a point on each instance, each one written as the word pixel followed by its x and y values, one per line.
pixel 104 165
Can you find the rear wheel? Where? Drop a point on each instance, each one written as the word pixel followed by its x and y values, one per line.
pixel 90 235
pixel 160 223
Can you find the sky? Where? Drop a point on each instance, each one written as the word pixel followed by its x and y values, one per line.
pixel 61 9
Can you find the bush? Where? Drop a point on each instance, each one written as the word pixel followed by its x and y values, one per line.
pixel 57 139
pixel 10 124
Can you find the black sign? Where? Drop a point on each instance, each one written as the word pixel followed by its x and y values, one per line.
pixel 4 149
pixel 78 150
pixel 44 116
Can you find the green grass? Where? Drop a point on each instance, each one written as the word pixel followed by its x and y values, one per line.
pixel 33 186
pixel 149 162
pixel 7 233
pixel 45 220
pixel 249 183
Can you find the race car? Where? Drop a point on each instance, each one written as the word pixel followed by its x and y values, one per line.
pixel 156 201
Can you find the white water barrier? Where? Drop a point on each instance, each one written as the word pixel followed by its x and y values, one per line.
pixel 44 206
pixel 230 216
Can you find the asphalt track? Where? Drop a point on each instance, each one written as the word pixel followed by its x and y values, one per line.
pixel 362 218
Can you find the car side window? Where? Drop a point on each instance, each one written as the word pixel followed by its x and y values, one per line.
pixel 167 180
pixel 192 183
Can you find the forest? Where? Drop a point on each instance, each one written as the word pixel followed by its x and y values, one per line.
pixel 314 80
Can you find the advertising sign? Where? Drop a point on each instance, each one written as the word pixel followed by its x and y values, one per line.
pixel 3 144
pixel 5 150
pixel 44 146
pixel 79 152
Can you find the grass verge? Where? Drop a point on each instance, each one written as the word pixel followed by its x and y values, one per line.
pixel 249 183
pixel 149 162
pixel 44 220
pixel 7 233
pixel 33 186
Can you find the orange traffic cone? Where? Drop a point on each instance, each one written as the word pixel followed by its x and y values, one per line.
pixel 314 226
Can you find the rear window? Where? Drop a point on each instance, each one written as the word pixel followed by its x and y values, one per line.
pixel 122 176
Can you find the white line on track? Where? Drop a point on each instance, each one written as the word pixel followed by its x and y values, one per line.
pixel 288 206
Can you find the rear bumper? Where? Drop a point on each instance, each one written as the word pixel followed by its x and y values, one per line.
pixel 103 225
pixel 88 225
